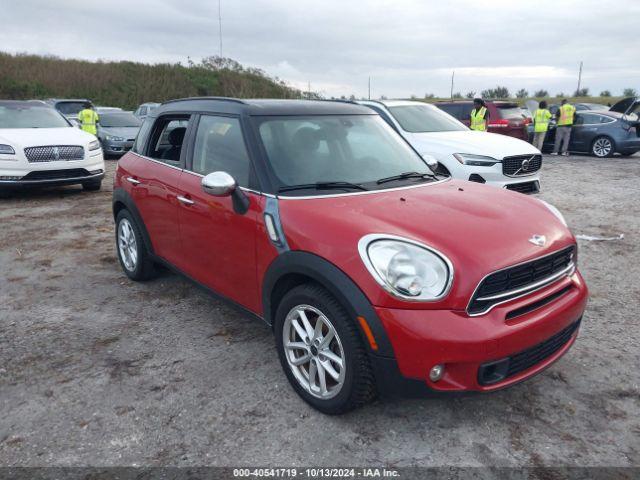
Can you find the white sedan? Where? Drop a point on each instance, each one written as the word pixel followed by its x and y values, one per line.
pixel 39 147
pixel 496 160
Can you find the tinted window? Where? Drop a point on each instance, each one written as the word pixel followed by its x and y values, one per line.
pixel 167 139
pixel 511 113
pixel 70 108
pixel 455 110
pixel 21 116
pixel 141 138
pixel 142 111
pixel 344 148
pixel 423 118
pixel 119 120
pixel 590 119
pixel 220 147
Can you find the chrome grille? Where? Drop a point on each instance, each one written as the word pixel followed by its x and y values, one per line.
pixel 54 153
pixel 521 164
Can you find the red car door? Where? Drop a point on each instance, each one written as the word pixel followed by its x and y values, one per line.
pixel 217 243
pixel 155 180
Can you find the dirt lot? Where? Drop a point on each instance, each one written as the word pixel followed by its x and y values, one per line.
pixel 98 370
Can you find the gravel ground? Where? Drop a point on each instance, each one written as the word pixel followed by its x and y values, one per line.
pixel 98 370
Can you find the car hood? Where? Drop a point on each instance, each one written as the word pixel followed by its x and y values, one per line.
pixel 31 137
pixel 467 141
pixel 124 132
pixel 479 228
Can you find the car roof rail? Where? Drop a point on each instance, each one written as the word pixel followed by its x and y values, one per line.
pixel 223 99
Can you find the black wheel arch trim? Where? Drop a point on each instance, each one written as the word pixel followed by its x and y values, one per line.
pixel 336 282
pixel 121 196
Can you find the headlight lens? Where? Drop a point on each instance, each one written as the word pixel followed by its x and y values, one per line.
pixel 556 212
pixel 475 160
pixel 115 139
pixel 7 150
pixel 406 268
pixel 94 145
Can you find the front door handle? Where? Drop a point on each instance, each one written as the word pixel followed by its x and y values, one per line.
pixel 185 200
pixel 133 180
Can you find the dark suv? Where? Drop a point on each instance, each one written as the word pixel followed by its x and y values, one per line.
pixel 504 117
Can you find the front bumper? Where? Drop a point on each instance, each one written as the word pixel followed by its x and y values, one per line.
pixel 466 345
pixel 111 147
pixel 493 175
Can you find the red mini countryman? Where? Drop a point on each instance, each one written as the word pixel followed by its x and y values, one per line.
pixel 376 275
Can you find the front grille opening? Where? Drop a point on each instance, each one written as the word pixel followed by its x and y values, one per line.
pixel 474 177
pixel 56 174
pixel 497 371
pixel 524 187
pixel 54 153
pixel 539 304
pixel 513 282
pixel 521 164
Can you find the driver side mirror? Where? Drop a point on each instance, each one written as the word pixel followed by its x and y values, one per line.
pixel 221 184
pixel 431 162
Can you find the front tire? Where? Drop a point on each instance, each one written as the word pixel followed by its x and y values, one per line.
pixel 132 252
pixel 602 147
pixel 321 351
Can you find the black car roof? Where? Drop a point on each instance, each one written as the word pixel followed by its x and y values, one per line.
pixel 262 106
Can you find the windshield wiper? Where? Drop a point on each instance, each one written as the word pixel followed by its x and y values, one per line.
pixel 323 186
pixel 403 176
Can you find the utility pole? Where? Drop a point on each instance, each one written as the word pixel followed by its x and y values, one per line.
pixel 369 88
pixel 309 90
pixel 453 74
pixel 220 24
pixel 579 79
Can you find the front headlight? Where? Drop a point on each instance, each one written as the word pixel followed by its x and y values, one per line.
pixel 94 145
pixel 405 268
pixel 556 212
pixel 114 139
pixel 7 150
pixel 475 160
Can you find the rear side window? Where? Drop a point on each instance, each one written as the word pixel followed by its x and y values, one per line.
pixel 455 110
pixel 220 147
pixel 167 139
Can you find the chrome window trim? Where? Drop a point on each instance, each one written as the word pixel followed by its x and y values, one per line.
pixel 368 192
pixel 363 250
pixel 567 272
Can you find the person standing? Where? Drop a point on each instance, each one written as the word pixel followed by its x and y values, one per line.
pixel 541 119
pixel 479 116
pixel 88 119
pixel 565 116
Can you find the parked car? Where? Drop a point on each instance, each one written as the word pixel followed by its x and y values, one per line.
pixel 39 147
pixel 580 107
pixel 145 109
pixel 504 117
pixel 117 131
pixel 100 110
pixel 627 106
pixel 601 133
pixel 375 275
pixel 481 157
pixel 69 107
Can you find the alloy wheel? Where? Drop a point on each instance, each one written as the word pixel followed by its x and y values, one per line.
pixel 127 245
pixel 314 351
pixel 602 147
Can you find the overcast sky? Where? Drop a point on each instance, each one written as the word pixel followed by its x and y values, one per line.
pixel 407 47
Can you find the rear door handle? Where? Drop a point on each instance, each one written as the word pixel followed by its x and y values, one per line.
pixel 133 180
pixel 185 200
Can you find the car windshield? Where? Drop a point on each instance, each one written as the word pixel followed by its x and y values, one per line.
pixel 70 108
pixel 21 116
pixel 422 118
pixel 509 112
pixel 344 149
pixel 119 120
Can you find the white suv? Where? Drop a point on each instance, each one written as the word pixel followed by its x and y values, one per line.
pixel 39 147
pixel 497 160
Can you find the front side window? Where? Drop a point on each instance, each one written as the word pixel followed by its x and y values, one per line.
pixel 422 118
pixel 220 147
pixel 359 149
pixel 20 116
pixel 167 139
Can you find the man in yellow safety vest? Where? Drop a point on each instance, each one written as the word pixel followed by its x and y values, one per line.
pixel 88 119
pixel 479 116
pixel 541 119
pixel 565 116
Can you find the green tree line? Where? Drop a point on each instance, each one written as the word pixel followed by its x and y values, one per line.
pixel 128 84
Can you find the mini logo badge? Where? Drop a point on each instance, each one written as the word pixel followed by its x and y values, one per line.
pixel 538 240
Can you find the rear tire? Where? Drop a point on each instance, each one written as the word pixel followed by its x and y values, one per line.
pixel 92 186
pixel 603 147
pixel 133 255
pixel 341 377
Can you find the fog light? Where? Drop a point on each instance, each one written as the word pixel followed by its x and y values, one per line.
pixel 95 172
pixel 436 373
